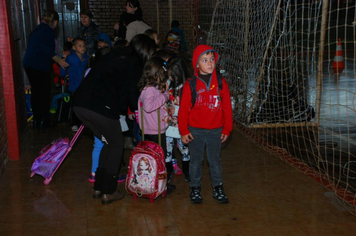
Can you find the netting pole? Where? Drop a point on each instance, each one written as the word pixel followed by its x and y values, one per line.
pixel 245 54
pixel 157 10
pixel 210 35
pixel 319 77
pixel 196 12
pixel 262 70
pixel 170 13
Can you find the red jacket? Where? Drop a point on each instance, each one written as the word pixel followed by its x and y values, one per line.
pixel 212 108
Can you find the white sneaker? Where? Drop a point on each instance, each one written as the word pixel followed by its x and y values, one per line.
pixel 74 128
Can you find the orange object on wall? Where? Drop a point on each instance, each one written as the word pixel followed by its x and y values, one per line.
pixel 338 64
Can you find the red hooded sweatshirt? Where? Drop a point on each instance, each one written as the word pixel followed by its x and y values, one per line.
pixel 212 107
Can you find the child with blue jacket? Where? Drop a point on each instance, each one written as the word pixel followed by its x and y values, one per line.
pixel 77 61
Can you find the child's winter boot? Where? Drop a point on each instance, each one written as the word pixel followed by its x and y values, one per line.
pixel 219 194
pixel 176 169
pixel 195 196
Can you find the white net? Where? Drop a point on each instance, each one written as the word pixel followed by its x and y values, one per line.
pixel 284 65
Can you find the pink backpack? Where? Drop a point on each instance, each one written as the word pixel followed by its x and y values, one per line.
pixel 51 157
pixel 147 175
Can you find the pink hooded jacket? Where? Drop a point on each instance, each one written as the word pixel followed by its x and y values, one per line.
pixel 152 99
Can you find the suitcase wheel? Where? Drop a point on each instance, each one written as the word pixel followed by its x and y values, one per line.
pixel 47 181
pixel 151 200
pixel 32 174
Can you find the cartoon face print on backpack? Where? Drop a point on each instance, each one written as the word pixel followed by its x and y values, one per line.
pixel 144 166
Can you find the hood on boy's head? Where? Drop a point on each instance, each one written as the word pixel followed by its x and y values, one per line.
pixel 104 37
pixel 199 51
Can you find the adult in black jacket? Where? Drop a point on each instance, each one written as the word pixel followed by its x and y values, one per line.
pixel 98 102
pixel 140 49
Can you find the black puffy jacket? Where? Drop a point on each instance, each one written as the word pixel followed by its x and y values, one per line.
pixel 107 87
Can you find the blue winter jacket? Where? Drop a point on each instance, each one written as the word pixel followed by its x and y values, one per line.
pixel 40 48
pixel 76 69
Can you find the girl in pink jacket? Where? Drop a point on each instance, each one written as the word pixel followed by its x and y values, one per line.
pixel 154 96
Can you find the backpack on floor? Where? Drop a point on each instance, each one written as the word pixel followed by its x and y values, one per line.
pixel 52 156
pixel 147 175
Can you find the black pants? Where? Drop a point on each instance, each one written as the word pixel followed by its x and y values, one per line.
pixel 40 92
pixel 109 131
pixel 129 122
pixel 154 138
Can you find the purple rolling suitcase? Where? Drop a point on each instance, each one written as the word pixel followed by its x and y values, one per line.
pixel 52 156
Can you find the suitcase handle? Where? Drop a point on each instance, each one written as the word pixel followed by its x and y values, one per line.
pixel 76 136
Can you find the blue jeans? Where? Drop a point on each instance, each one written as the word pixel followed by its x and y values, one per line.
pixel 211 139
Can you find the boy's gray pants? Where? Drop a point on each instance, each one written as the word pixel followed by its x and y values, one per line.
pixel 212 140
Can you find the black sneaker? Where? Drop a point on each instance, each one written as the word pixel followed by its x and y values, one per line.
pixel 195 196
pixel 170 188
pixel 187 176
pixel 219 195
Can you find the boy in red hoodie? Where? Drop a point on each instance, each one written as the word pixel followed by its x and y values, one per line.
pixel 205 119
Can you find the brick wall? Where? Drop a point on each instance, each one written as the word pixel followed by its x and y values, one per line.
pixel 4 154
pixel 107 12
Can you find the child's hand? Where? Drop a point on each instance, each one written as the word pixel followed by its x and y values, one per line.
pixel 65 54
pixel 131 116
pixel 223 137
pixel 187 138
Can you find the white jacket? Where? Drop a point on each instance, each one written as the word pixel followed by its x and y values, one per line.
pixel 134 28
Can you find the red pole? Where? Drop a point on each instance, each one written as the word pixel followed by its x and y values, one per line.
pixel 8 82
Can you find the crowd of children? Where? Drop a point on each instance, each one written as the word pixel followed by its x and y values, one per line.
pixel 108 86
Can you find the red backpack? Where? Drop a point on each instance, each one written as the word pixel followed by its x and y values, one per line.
pixel 147 175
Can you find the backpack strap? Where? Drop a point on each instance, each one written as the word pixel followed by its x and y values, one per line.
pixel 219 77
pixel 193 90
